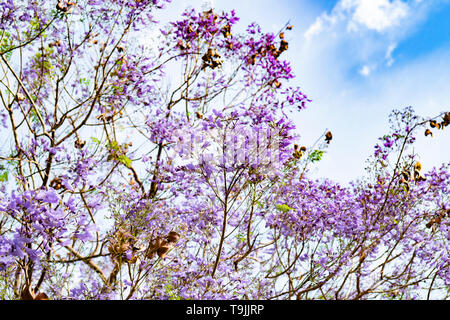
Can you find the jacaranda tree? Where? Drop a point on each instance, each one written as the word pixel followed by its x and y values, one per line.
pixel 165 165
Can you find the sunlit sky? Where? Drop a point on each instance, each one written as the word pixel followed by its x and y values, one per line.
pixel 357 60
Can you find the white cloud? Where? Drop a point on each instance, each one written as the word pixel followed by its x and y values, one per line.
pixel 323 22
pixel 378 15
pixel 366 32
pixel 347 41
pixel 357 15
pixel 365 71
pixel 388 56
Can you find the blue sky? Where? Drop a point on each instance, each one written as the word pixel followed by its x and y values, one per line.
pixel 358 60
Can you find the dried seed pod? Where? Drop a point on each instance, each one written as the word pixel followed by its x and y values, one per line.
pixel 173 237
pixel 283 46
pixel 420 178
pixel 303 149
pixel 297 154
pixel 428 132
pixel 328 137
pixel 27 293
pixel 124 247
pixel 79 144
pixel 405 175
pixel 289 27
pixel 446 120
pixel 61 7
pixel 41 296
pixel 277 84
pixel 150 254
pixel 55 43
pixel 153 247
pixel 111 249
pixel 226 31
pixel 164 249
pixel 435 220
pixel 199 115
pixel 418 166
pixel 56 183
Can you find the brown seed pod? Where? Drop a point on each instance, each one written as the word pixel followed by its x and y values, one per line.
pixel 153 247
pixel 289 27
pixel 41 296
pixel 277 84
pixel 61 7
pixel 407 187
pixel 303 149
pixel 297 154
pixel 418 166
pixel 446 119
pixel 405 175
pixel 79 144
pixel 328 137
pixel 124 247
pixel 226 31
pixel 27 293
pixel 164 249
pixel 56 183
pixel 420 178
pixel 283 45
pixel 55 43
pixel 435 220
pixel 180 45
pixel 428 132
pixel 173 237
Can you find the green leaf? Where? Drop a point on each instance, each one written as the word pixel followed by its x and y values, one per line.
pixel 95 140
pixel 4 176
pixel 114 145
pixel 125 160
pixel 315 156
pixel 283 207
